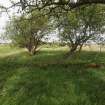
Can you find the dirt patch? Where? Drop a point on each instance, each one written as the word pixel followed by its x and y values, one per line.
pixel 95 66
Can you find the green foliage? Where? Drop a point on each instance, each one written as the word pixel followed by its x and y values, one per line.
pixel 82 24
pixel 28 30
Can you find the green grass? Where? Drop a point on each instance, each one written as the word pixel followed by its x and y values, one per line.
pixel 42 80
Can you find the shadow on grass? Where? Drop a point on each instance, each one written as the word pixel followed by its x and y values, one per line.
pixel 54 56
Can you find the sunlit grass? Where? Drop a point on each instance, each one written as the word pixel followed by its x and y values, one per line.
pixel 94 48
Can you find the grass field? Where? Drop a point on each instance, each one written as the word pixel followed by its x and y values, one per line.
pixel 49 79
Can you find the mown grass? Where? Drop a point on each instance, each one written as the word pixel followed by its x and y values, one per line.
pixel 42 80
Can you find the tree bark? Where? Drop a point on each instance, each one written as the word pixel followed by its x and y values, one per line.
pixel 36 43
pixel 29 46
pixel 61 3
pixel 80 47
pixel 85 2
pixel 72 51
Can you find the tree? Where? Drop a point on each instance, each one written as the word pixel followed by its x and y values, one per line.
pixel 28 30
pixel 64 4
pixel 79 26
pixel 50 5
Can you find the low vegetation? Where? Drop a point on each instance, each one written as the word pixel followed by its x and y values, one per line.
pixel 48 79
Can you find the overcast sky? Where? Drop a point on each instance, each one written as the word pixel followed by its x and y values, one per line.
pixel 4 17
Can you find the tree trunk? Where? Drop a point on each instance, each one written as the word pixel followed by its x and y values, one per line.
pixel 34 50
pixel 80 47
pixel 72 51
pixel 36 43
pixel 29 46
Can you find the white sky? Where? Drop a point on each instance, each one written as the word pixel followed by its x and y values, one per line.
pixel 4 17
